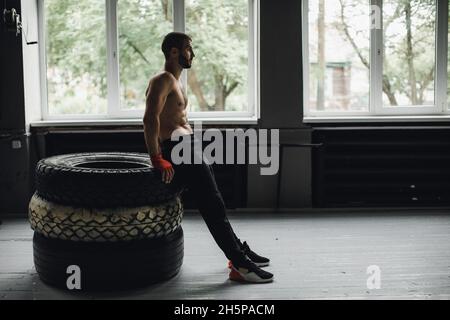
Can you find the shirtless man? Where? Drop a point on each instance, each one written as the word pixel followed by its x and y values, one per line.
pixel 166 117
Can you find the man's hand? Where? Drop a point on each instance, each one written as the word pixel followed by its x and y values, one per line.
pixel 164 166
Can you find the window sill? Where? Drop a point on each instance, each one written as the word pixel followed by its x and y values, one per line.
pixel 136 122
pixel 360 119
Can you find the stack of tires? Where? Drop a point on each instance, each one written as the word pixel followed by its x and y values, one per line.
pixel 105 220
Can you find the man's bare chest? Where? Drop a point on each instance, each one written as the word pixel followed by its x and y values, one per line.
pixel 177 99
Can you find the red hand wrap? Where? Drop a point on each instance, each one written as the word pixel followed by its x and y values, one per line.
pixel 159 163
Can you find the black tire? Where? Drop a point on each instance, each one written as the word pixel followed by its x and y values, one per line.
pixel 109 266
pixel 102 180
pixel 104 225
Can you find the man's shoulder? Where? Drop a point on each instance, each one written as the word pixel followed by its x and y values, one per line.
pixel 163 78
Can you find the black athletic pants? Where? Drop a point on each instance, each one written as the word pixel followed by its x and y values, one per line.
pixel 200 180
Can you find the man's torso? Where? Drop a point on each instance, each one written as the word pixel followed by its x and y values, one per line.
pixel 173 118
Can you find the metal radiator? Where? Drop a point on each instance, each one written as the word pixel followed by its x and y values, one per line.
pixel 371 167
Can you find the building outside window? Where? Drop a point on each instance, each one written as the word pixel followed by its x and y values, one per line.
pixel 378 57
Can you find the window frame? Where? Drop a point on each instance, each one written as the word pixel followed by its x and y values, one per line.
pixel 376 107
pixel 113 78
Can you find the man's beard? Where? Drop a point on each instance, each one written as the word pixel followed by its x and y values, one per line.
pixel 183 62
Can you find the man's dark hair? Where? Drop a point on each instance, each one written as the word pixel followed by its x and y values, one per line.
pixel 173 40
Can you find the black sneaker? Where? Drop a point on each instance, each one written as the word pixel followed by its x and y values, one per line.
pixel 248 271
pixel 254 257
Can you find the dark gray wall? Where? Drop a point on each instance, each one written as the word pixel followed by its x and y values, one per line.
pixel 281 107
pixel 12 111
pixel 295 170
pixel 281 64
pixel 14 143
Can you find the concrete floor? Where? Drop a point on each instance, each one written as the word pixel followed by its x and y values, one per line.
pixel 322 255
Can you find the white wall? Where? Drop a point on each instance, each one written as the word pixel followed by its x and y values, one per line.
pixel 31 64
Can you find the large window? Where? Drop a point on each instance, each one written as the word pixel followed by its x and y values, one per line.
pixel 221 81
pixel 448 58
pixel 339 78
pixel 141 26
pixel 99 55
pixel 76 57
pixel 377 57
pixel 409 52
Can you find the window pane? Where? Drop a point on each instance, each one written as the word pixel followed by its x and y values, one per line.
pixel 218 79
pixel 142 27
pixel 76 56
pixel 409 52
pixel 448 59
pixel 339 57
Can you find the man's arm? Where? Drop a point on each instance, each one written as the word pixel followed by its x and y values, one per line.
pixel 156 99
